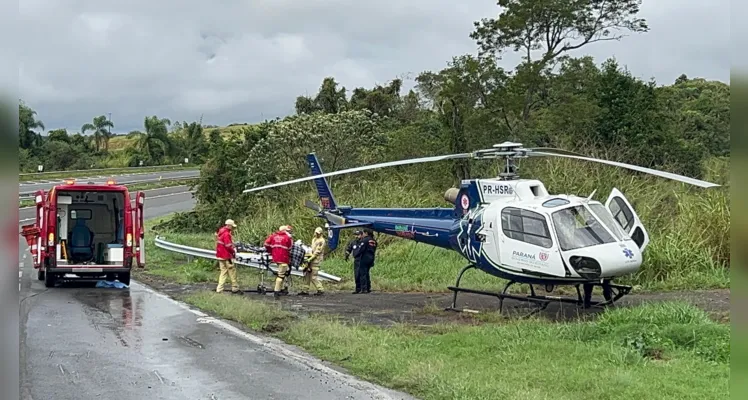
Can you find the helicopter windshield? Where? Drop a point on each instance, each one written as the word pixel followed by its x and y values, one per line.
pixel 577 227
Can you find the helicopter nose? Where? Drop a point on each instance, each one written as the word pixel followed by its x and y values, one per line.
pixel 606 261
pixel 626 259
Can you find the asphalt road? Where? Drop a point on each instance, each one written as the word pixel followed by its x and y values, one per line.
pixel 43 184
pixel 79 342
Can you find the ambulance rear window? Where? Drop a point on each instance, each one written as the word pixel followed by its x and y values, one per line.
pixel 80 214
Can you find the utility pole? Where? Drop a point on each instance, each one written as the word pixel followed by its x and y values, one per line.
pixel 109 127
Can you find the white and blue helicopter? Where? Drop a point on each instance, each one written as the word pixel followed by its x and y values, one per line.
pixel 511 228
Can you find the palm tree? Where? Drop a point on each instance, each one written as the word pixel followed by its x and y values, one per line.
pixel 101 128
pixel 154 144
pixel 27 125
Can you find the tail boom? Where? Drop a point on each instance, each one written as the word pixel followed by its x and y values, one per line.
pixel 327 200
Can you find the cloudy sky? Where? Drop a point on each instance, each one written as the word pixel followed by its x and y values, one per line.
pixel 245 60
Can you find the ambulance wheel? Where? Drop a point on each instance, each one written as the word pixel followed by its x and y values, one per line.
pixel 40 274
pixel 50 280
pixel 125 278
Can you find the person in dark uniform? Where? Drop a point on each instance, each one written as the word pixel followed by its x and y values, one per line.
pixel 351 243
pixel 351 249
pixel 365 253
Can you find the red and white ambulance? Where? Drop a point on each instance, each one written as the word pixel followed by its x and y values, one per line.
pixel 87 230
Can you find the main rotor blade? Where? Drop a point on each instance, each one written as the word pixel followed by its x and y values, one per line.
pixel 364 168
pixel 663 174
pixel 554 151
pixel 314 206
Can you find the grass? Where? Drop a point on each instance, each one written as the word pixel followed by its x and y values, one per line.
pixel 31 176
pixel 656 351
pixel 132 188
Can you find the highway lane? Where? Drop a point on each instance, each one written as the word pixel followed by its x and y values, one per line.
pixel 175 193
pixel 81 343
pixel 43 184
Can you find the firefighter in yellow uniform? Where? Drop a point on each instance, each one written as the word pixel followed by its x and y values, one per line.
pixel 313 261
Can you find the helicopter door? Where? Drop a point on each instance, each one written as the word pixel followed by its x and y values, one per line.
pixel 526 244
pixel 626 217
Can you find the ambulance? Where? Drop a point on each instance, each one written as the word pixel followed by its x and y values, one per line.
pixel 88 231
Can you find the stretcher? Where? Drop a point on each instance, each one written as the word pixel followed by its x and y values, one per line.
pixel 257 255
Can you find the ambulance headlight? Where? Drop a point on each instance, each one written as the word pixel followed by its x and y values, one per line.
pixel 586 267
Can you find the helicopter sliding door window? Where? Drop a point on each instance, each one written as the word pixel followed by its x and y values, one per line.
pixel 526 226
pixel 626 217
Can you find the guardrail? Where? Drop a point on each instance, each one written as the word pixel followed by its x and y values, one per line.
pixel 245 259
pixel 125 169
pixel 26 195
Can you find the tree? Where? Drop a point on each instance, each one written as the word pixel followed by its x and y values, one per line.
pixel 195 144
pixel 329 99
pixel 381 100
pixel 552 27
pixel 701 111
pixel 343 140
pixel 154 144
pixel 28 137
pixel 60 135
pixel 101 128
pixel 468 87
pixel 305 105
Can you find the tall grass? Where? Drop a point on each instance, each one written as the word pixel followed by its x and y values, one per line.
pixel 689 227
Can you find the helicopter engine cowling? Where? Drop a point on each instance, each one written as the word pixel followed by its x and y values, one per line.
pixel 451 195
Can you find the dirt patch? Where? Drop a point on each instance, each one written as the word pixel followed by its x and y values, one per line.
pixel 427 309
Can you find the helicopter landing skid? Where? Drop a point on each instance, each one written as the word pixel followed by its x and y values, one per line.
pixel 540 303
pixel 611 294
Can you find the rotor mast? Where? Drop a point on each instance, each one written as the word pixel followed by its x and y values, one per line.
pixel 509 151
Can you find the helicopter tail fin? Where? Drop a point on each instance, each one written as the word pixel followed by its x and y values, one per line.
pixel 327 200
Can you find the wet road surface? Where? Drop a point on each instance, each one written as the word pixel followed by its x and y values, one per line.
pixel 80 342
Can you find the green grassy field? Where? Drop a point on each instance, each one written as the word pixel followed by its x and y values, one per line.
pixel 657 351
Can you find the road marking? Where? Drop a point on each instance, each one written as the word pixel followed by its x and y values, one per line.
pixel 273 346
pixel 147 198
pixel 147 190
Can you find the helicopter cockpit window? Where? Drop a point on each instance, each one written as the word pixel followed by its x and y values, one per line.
pixel 526 226
pixel 555 203
pixel 577 227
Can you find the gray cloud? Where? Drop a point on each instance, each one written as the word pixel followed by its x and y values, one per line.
pixel 240 61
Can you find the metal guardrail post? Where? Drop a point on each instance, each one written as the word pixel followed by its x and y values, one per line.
pixel 247 260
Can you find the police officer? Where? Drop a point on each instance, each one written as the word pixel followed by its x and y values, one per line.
pixel 351 243
pixel 365 252
pixel 350 249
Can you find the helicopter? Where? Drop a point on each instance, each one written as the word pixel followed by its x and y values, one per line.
pixel 511 228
